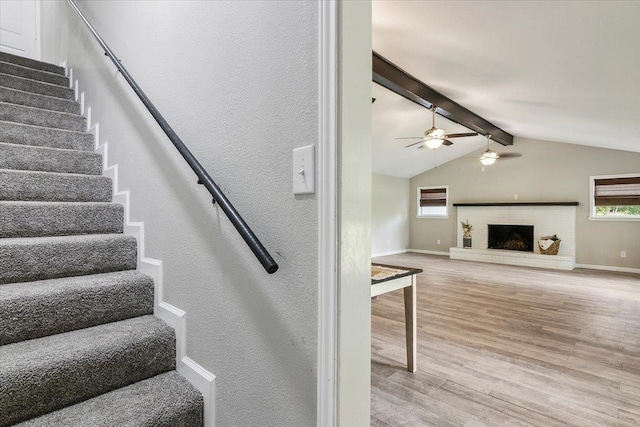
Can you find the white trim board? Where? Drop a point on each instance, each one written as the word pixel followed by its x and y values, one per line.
pixel 326 400
pixel 609 268
pixel 389 253
pixel 200 378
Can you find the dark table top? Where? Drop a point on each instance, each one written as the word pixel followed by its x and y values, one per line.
pixel 406 271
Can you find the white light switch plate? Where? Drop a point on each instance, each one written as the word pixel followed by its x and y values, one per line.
pixel 304 174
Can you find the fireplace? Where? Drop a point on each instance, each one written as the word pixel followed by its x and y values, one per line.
pixel 511 237
pixel 546 218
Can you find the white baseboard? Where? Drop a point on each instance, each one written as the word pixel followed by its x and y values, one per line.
pixel 421 251
pixel 609 268
pixel 200 378
pixel 389 253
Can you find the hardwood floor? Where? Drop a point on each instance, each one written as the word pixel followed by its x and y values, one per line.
pixel 508 346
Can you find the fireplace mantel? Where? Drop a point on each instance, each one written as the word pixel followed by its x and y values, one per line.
pixel 519 204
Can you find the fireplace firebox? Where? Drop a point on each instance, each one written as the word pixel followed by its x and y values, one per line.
pixel 511 237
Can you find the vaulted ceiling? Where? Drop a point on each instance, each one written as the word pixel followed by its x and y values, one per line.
pixel 559 71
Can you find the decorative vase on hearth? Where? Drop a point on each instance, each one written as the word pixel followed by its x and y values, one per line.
pixel 466 234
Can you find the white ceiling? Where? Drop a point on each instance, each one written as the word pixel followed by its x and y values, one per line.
pixel 559 71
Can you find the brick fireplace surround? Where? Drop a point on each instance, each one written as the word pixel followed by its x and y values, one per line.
pixel 547 218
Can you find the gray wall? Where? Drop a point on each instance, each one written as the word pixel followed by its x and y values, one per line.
pixel 547 171
pixel 238 81
pixel 389 214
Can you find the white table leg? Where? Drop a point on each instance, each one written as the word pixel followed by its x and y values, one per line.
pixel 411 324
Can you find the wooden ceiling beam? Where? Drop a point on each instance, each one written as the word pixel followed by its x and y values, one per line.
pixel 392 77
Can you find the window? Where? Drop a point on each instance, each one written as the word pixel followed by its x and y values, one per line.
pixel 433 202
pixel 615 197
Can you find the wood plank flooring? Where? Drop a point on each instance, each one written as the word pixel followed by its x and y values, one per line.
pixel 508 346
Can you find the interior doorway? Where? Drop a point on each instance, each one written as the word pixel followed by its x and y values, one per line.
pixel 20 27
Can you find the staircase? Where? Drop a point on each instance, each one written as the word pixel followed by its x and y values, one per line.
pixel 79 345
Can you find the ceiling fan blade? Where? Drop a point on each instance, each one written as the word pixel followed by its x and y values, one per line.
pixel 460 135
pixel 411 145
pixel 447 142
pixel 411 137
pixel 509 155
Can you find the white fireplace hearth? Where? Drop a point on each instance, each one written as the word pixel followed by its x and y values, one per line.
pixel 547 219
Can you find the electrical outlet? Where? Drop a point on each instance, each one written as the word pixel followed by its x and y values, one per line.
pixel 515 197
pixel 623 254
pixel 438 241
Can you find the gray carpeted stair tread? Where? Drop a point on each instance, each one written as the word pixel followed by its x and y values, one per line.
pixel 20 97
pixel 53 187
pixel 31 63
pixel 19 133
pixel 45 374
pixel 39 219
pixel 26 259
pixel 78 343
pixel 166 400
pixel 33 74
pixel 46 307
pixel 40 117
pixel 46 159
pixel 35 86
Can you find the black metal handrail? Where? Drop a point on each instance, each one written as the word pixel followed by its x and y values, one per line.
pixel 203 177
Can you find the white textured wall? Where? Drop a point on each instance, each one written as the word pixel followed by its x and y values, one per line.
pixel 238 81
pixel 547 171
pixel 389 214
pixel 54 32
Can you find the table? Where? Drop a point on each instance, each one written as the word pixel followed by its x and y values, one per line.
pixel 386 278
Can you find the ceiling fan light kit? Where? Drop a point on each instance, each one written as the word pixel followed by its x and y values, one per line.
pixel 435 133
pixel 433 143
pixel 488 157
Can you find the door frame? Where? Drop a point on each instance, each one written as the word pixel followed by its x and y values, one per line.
pixel 327 224
pixel 344 214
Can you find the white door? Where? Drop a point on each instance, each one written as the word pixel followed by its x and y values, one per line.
pixel 19 28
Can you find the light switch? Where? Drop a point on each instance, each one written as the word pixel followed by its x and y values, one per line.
pixel 304 173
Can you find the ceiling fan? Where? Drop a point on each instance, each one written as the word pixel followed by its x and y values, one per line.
pixel 489 157
pixel 435 137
